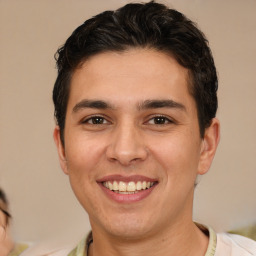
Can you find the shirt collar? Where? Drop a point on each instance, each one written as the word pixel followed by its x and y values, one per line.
pixel 83 246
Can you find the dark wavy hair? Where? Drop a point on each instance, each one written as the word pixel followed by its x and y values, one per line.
pixel 142 25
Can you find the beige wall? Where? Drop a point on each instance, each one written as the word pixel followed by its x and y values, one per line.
pixel 41 199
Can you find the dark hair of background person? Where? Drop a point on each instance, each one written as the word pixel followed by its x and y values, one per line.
pixel 4 205
pixel 148 26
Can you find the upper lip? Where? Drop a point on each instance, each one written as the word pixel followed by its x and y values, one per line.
pixel 118 177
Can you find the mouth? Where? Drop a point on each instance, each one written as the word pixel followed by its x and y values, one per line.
pixel 131 187
pixel 127 189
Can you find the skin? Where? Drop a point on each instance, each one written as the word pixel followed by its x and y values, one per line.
pixel 6 243
pixel 131 141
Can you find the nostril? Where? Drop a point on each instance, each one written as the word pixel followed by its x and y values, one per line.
pixel 126 146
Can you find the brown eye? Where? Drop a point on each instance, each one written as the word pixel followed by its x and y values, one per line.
pixel 159 120
pixel 95 120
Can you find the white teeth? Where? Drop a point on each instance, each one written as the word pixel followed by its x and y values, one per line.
pixel 110 185
pixel 122 186
pixel 131 187
pixel 138 185
pixel 115 185
pixel 126 192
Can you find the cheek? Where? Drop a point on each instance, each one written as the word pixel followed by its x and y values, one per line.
pixel 83 154
pixel 177 154
pixel 84 158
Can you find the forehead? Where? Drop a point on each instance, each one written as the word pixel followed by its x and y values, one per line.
pixel 135 73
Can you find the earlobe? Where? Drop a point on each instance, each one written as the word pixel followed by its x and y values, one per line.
pixel 60 149
pixel 209 146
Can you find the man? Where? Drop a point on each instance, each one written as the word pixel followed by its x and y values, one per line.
pixel 135 104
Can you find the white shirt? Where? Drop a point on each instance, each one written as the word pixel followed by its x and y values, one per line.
pixel 234 245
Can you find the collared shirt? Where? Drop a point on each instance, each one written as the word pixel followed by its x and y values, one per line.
pixel 222 244
pixel 219 245
pixel 83 246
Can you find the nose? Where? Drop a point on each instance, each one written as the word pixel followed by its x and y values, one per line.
pixel 126 146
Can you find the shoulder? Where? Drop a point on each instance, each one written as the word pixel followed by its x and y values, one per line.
pixel 234 245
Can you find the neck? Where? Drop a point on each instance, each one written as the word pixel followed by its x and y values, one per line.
pixel 183 238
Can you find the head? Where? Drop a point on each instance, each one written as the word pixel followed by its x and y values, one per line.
pixel 150 26
pixel 135 101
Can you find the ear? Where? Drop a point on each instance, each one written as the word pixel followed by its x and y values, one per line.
pixel 209 146
pixel 60 149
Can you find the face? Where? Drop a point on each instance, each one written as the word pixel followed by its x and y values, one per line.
pixel 132 142
pixel 6 243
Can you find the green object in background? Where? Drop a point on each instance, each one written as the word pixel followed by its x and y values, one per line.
pixel 18 249
pixel 249 232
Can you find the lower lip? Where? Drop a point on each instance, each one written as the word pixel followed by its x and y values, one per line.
pixel 127 198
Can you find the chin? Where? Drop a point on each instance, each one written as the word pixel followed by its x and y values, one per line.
pixel 129 228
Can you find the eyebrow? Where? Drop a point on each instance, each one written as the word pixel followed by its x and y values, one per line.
pixel 97 104
pixel 151 104
pixel 147 104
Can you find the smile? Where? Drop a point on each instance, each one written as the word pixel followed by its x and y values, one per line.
pixel 130 187
pixel 127 189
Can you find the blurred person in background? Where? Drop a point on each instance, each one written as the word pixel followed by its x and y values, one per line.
pixel 6 242
pixel 7 245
